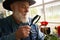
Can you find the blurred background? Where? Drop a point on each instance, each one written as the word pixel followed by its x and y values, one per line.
pixel 49 10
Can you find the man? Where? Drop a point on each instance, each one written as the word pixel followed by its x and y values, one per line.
pixel 13 27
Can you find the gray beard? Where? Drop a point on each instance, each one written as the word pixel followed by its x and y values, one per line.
pixel 20 17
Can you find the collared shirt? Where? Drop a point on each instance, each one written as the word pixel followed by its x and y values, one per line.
pixel 8 27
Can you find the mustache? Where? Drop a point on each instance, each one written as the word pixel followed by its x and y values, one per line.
pixel 21 17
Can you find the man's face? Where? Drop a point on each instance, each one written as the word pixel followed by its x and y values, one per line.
pixel 22 7
pixel 20 10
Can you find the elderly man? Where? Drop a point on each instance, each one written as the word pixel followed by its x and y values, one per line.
pixel 12 27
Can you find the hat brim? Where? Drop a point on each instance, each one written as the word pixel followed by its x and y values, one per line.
pixel 6 4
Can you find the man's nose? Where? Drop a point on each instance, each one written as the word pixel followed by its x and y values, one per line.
pixel 27 10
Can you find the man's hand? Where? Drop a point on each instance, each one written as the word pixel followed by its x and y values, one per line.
pixel 23 32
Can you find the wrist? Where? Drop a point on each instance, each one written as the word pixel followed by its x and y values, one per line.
pixel 17 37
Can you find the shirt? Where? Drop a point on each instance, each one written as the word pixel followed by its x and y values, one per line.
pixel 8 27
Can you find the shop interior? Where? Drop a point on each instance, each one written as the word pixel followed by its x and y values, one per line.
pixel 49 22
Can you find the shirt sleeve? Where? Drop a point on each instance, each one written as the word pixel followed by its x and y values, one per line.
pixel 8 37
pixel 40 34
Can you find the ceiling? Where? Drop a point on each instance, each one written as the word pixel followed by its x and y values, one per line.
pixel 40 2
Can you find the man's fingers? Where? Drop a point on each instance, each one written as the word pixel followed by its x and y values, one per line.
pixel 25 26
pixel 24 30
pixel 26 34
pixel 28 27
